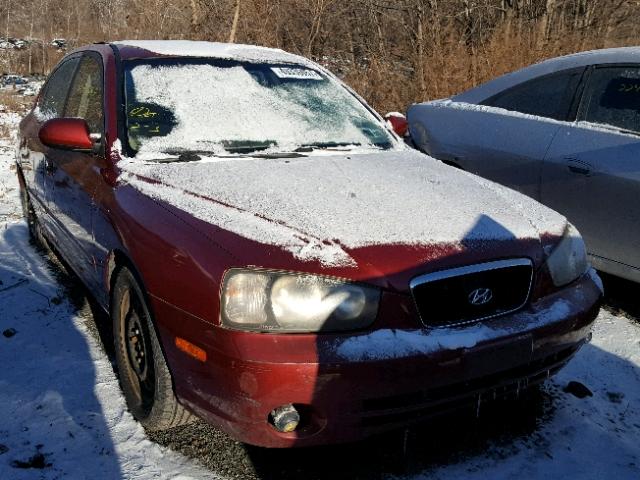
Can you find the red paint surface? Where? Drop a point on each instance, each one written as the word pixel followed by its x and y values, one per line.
pixel 398 123
pixel 66 133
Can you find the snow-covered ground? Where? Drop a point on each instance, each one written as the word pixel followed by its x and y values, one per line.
pixel 60 403
pixel 61 408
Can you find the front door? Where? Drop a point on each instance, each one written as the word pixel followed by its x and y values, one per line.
pixel 591 172
pixel 513 130
pixel 34 155
pixel 76 174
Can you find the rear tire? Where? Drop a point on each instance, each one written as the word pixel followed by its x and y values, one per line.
pixel 144 376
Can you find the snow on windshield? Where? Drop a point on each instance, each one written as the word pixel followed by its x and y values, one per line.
pixel 223 109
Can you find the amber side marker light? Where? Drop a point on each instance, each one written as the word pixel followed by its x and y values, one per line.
pixel 191 350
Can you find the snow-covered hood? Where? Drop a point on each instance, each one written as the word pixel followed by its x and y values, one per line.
pixel 323 208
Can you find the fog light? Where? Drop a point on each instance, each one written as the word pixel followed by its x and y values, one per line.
pixel 285 418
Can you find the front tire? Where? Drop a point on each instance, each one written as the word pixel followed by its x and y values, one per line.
pixel 144 376
pixel 29 214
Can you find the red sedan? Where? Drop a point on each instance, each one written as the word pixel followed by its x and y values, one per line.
pixel 272 256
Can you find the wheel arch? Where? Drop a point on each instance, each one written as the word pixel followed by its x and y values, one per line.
pixel 117 259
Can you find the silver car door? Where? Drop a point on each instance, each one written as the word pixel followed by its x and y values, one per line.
pixel 591 173
pixel 506 137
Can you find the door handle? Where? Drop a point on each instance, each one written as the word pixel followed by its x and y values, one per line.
pixel 579 170
pixel 576 166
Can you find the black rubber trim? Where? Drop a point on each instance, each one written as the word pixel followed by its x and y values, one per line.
pixel 120 121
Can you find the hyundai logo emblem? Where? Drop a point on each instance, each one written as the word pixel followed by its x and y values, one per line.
pixel 480 296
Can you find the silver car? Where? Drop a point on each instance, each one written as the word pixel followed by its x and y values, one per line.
pixel 565 132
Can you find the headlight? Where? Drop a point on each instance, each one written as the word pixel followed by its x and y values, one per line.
pixel 568 260
pixel 290 302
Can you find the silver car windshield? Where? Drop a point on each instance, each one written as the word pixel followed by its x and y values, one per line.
pixel 228 107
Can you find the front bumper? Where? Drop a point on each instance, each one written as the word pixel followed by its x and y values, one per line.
pixel 347 387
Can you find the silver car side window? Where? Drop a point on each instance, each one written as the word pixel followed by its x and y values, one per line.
pixel 550 96
pixel 612 97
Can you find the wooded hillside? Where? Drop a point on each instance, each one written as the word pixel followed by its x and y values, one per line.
pixel 393 52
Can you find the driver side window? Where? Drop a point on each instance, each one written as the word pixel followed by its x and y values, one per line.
pixel 85 97
pixel 51 102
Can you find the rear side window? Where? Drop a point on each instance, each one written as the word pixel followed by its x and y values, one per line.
pixel 51 102
pixel 550 96
pixel 612 97
pixel 85 97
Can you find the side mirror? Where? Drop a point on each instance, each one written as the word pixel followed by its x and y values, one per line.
pixel 398 123
pixel 66 133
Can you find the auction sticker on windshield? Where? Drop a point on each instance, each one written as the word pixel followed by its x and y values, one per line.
pixel 296 73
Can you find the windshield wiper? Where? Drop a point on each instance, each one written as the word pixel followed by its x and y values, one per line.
pixel 195 155
pixel 247 146
pixel 185 156
pixel 310 147
pixel 254 149
pixel 278 155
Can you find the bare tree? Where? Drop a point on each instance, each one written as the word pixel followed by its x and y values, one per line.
pixel 234 25
pixel 394 52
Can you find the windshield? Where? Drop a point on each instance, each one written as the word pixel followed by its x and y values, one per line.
pixel 229 107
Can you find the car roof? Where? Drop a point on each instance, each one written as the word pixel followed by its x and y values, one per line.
pixel 575 60
pixel 130 49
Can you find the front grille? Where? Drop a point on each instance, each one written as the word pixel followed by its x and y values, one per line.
pixel 472 293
